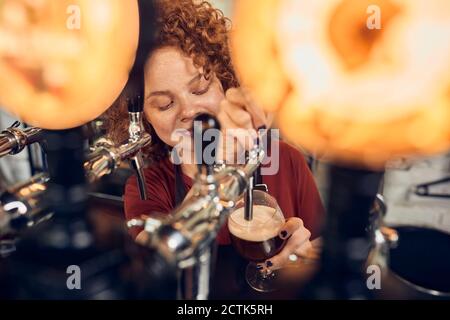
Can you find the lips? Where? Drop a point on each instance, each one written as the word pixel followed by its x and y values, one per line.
pixel 186 132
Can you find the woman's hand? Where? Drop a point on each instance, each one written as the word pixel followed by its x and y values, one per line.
pixel 298 245
pixel 239 111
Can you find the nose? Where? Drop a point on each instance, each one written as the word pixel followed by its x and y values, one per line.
pixel 188 114
pixel 189 110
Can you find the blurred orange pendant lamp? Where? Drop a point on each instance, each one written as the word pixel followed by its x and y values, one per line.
pixel 63 62
pixel 356 81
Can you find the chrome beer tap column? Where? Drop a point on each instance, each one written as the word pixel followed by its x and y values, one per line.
pixel 190 237
pixel 186 237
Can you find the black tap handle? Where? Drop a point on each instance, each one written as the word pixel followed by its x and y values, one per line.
pixel 206 141
pixel 135 103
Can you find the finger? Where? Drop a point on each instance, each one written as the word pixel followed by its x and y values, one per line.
pixel 233 141
pixel 258 115
pixel 308 253
pixel 238 115
pixel 297 239
pixel 240 129
pixel 235 95
pixel 229 120
pixel 291 225
pixel 304 250
pixel 224 118
pixel 242 97
pixel 277 261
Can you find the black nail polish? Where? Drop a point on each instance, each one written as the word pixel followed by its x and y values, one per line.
pixel 283 234
pixel 269 264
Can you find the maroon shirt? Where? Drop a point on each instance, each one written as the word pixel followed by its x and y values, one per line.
pixel 293 187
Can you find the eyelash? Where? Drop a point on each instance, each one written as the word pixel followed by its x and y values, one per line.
pixel 166 107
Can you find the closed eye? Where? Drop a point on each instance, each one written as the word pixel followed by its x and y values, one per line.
pixel 165 107
pixel 201 91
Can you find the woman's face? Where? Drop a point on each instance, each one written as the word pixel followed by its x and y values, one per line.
pixel 176 92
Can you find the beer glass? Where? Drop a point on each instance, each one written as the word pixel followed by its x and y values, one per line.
pixel 257 239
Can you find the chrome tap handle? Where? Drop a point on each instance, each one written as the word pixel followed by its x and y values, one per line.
pixel 13 140
pixel 24 205
pixel 131 148
pixel 7 143
pixel 106 157
pixel 100 163
pixel 234 180
pixel 193 227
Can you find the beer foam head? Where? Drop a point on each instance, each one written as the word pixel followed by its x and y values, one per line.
pixel 266 224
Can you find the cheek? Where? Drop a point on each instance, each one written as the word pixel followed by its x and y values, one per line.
pixel 163 124
pixel 213 99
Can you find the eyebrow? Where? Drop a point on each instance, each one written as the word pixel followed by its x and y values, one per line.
pixel 167 93
pixel 159 93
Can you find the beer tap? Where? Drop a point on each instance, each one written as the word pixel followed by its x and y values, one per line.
pixel 13 139
pixel 136 132
pixel 186 236
pixel 188 239
pixel 24 205
pixel 106 157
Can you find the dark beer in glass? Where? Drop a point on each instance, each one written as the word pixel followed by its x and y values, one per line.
pixel 257 239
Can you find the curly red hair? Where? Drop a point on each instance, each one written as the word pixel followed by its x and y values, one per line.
pixel 201 32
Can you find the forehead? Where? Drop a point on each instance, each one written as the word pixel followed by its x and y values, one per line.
pixel 169 64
